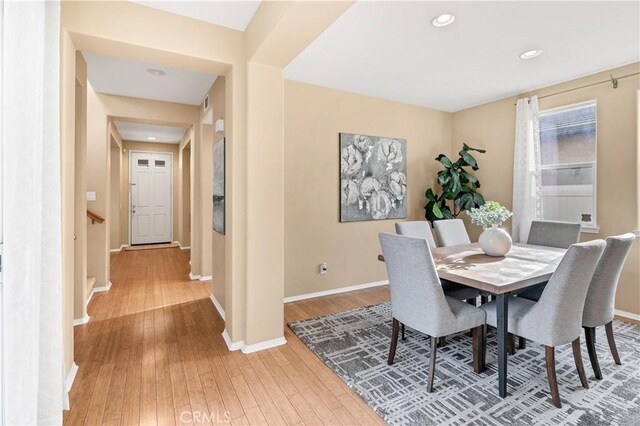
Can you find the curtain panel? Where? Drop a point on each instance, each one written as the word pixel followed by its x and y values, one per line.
pixel 32 349
pixel 527 178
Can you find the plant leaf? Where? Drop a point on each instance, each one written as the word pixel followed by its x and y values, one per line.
pixel 468 158
pixel 456 186
pixel 468 177
pixel 444 160
pixel 478 199
pixel 468 148
pixel 443 178
pixel 429 195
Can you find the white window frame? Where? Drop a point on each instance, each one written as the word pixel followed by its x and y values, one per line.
pixel 593 228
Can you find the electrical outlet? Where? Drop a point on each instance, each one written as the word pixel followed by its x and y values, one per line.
pixel 323 268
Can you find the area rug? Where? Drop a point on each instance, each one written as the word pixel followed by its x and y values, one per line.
pixel 355 345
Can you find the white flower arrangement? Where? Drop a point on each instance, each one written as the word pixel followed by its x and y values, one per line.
pixel 488 215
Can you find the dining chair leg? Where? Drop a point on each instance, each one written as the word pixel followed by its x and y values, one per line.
pixel 522 342
pixel 403 338
pixel 432 363
pixel 478 348
pixel 395 328
pixel 511 347
pixel 550 358
pixel 590 339
pixel 442 341
pixel 484 299
pixel 612 343
pixel 577 357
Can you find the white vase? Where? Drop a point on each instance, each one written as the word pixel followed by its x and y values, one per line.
pixel 495 241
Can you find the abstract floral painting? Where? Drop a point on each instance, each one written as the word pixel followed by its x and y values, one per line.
pixel 373 178
pixel 218 187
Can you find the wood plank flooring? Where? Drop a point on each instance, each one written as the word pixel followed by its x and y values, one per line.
pixel 153 354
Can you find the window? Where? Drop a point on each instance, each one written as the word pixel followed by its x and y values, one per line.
pixel 143 163
pixel 568 157
pixel 159 163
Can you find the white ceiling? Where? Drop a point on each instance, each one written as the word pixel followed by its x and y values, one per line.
pixel 141 132
pixel 117 76
pixel 232 14
pixel 390 49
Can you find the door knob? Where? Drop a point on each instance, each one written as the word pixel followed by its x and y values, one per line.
pixel 133 212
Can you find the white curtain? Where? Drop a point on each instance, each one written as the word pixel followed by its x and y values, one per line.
pixel 527 180
pixel 32 349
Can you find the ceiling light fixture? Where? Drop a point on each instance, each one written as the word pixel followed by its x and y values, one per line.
pixel 156 72
pixel 151 138
pixel 443 20
pixel 530 54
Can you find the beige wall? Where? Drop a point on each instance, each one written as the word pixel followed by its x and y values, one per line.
pixel 313 118
pixel 98 145
pixel 123 200
pixel 80 202
pixel 116 196
pixel 217 98
pixel 67 164
pixel 184 194
pixel 492 126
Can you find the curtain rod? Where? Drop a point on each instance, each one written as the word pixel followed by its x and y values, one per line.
pixel 612 80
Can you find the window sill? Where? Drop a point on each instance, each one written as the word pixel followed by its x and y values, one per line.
pixel 589 229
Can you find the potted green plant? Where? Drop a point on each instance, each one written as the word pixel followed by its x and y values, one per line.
pixel 459 187
pixel 493 240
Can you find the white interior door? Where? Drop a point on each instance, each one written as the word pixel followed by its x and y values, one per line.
pixel 150 201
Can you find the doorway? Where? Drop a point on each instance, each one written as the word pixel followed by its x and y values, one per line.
pixel 150 197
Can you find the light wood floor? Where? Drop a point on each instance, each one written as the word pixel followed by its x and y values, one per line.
pixel 153 354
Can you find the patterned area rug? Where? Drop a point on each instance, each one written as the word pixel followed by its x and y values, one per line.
pixel 355 345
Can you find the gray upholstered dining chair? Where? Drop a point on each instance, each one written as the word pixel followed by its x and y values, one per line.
pixel 416 229
pixel 451 232
pixel 422 229
pixel 599 305
pixel 556 319
pixel 417 299
pixel 553 234
pixel 550 234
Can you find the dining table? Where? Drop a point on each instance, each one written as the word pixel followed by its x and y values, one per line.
pixel 524 267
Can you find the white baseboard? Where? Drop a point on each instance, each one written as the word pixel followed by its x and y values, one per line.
pixel 185 247
pixel 231 345
pixel 100 289
pixel 247 349
pixel 88 299
pixel 81 321
pixel 629 315
pixel 71 376
pixel 206 278
pixel 193 276
pixel 122 247
pixel 218 306
pixel 334 291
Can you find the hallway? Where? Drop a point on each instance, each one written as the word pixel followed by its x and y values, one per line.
pixel 153 353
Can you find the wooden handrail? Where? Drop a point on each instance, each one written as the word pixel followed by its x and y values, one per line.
pixel 94 217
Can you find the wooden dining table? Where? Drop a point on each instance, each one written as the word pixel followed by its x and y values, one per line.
pixel 524 267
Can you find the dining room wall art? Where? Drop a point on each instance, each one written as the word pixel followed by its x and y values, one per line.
pixel 373 178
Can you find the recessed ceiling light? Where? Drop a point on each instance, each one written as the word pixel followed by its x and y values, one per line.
pixel 443 20
pixel 151 138
pixel 529 54
pixel 156 72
